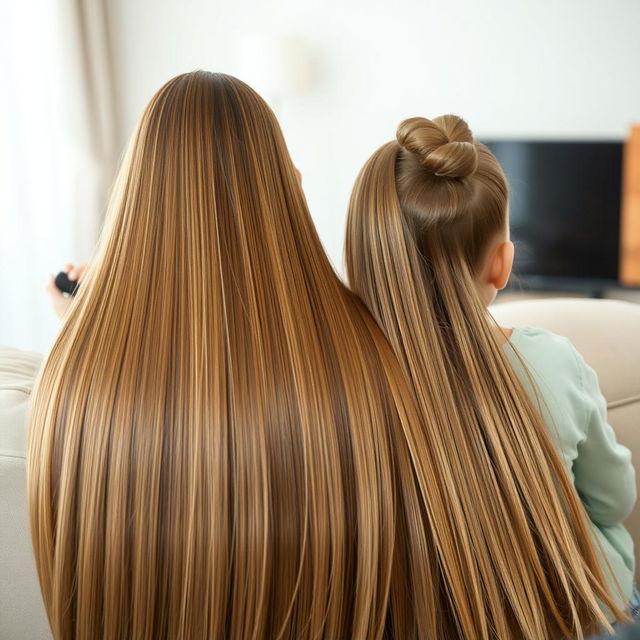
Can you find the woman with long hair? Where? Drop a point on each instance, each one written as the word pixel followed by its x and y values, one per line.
pixel 427 248
pixel 220 442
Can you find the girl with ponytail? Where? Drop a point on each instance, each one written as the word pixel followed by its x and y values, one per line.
pixel 528 488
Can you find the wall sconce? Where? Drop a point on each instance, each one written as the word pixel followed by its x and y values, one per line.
pixel 276 66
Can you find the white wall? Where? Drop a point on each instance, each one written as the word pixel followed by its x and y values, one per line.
pixel 538 68
pixel 542 68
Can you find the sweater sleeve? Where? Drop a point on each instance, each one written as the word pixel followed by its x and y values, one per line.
pixel 603 474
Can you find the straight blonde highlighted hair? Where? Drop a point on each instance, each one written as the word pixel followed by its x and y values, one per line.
pixel 513 546
pixel 221 443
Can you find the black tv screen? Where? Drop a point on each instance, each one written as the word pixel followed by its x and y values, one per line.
pixel 564 209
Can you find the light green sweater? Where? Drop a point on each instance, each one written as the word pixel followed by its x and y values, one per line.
pixel 569 398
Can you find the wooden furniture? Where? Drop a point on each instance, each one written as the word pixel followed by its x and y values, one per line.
pixel 630 221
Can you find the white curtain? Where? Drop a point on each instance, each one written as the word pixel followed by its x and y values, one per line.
pixel 57 153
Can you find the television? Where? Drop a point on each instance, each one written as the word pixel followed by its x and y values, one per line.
pixel 565 201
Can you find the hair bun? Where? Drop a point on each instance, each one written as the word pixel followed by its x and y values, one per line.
pixel 444 145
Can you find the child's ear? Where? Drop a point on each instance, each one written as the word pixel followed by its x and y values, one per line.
pixel 501 265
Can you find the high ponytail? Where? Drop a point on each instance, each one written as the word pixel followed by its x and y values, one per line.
pixel 513 547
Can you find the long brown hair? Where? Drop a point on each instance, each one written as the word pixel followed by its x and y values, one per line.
pixel 221 445
pixel 513 545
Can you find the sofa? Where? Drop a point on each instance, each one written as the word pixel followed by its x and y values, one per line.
pixel 22 615
pixel 607 333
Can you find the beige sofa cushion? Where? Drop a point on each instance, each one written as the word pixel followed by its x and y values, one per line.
pixel 607 334
pixel 22 615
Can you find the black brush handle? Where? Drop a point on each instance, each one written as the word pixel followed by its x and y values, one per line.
pixel 65 285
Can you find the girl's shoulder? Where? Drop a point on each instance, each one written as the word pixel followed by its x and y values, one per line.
pixel 543 341
pixel 538 336
pixel 558 379
pixel 549 355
